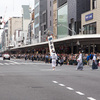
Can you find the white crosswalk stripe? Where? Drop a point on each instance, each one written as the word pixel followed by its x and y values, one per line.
pixel 1 64
pixel 6 63
pixel 15 63
pixel 12 63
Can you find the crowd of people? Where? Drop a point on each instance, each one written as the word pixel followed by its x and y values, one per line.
pixel 61 58
pixel 67 59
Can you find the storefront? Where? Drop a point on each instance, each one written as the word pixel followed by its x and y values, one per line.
pixel 91 19
pixel 71 44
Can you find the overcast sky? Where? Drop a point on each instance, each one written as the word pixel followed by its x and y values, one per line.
pixel 9 8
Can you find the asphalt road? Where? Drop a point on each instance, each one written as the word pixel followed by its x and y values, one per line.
pixel 26 80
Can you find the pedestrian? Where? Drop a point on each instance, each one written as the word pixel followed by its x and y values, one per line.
pixel 57 61
pixel 88 57
pixel 46 58
pixel 54 58
pixel 25 57
pixel 32 58
pixel 80 62
pixel 50 57
pixel 94 64
pixel 61 61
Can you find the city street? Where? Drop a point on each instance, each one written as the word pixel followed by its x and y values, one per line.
pixel 27 80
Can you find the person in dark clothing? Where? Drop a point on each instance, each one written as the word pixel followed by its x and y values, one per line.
pixel 50 57
pixel 46 58
pixel 94 64
pixel 91 56
pixel 61 61
pixel 25 57
pixel 32 57
pixel 58 59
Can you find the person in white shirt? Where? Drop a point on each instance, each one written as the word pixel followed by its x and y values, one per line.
pixel 80 62
pixel 54 58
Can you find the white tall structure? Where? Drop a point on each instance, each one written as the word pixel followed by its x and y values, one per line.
pixel 25 20
pixel 14 23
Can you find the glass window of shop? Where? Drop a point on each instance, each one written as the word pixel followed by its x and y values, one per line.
pixel 36 1
pixel 36 32
pixel 36 20
pixel 36 10
pixel 94 4
pixel 90 28
pixel 62 30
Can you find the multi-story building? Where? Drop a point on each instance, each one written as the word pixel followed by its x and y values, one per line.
pixel 55 18
pixel 25 17
pixel 91 25
pixel 36 17
pixel 31 29
pixel 69 16
pixel 5 37
pixel 26 11
pixel 43 18
pixel 91 19
pixel 20 38
pixel 14 23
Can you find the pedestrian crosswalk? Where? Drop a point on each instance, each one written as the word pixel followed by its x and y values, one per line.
pixel 16 63
pixel 1 64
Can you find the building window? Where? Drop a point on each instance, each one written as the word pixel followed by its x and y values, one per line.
pixel 94 4
pixel 50 13
pixel 50 3
pixel 36 20
pixel 36 32
pixel 36 1
pixel 90 28
pixel 44 17
pixel 62 19
pixel 36 10
pixel 50 22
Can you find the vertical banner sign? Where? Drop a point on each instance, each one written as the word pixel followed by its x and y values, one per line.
pixel 51 45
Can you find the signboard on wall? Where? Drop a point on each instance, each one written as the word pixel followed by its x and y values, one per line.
pixel 89 17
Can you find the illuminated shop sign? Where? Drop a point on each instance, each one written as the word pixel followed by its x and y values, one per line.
pixel 89 17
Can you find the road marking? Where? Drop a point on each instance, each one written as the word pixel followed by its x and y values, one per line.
pixel 1 64
pixel 17 63
pixel 61 84
pixel 24 63
pixel 50 70
pixel 69 88
pixel 80 93
pixel 6 63
pixel 54 81
pixel 1 58
pixel 90 98
pixel 12 63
